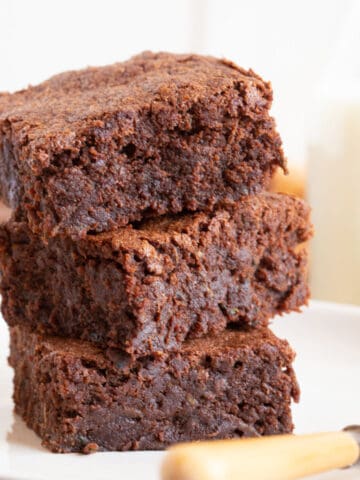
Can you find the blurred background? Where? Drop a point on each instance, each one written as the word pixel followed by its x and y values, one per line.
pixel 308 49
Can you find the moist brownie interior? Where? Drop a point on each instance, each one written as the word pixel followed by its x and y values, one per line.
pixel 149 288
pixel 95 149
pixel 232 385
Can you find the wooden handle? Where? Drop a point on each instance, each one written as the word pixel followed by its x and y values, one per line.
pixel 282 457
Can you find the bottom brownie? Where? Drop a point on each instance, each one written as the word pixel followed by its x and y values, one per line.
pixel 233 385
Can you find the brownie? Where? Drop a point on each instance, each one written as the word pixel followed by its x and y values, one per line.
pixel 149 287
pixel 92 150
pixel 237 384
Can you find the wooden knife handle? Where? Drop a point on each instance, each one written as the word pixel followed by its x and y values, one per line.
pixel 281 457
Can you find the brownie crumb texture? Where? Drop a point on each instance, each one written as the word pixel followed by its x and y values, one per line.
pixel 144 258
pixel 151 287
pixel 158 134
pixel 234 385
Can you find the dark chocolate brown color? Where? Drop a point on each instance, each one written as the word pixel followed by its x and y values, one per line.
pixel 237 384
pixel 148 288
pixel 95 149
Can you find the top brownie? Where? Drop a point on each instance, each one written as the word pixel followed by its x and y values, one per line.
pixel 92 150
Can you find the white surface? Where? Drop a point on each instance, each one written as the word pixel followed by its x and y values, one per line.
pixel 326 338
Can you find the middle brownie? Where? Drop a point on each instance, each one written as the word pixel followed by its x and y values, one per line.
pixel 149 287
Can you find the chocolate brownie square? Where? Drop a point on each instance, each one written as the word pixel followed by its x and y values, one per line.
pixel 233 385
pixel 92 150
pixel 147 288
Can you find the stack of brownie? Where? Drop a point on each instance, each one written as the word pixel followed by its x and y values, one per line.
pixel 144 257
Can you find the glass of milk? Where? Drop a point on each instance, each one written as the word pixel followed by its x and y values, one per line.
pixel 334 173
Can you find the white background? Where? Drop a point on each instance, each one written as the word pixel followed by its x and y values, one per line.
pixel 287 41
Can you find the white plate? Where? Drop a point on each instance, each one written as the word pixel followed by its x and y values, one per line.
pixel 327 339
